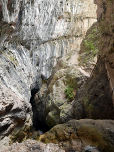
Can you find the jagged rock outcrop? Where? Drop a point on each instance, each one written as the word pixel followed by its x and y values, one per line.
pixel 15 114
pixel 98 94
pixel 95 95
pixel 34 35
pixel 76 135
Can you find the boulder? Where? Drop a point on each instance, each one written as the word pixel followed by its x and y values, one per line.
pixel 82 135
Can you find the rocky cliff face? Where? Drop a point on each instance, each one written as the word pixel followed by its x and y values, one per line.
pixel 106 26
pixel 26 62
pixel 14 112
pixel 97 94
pixel 34 35
pixel 42 32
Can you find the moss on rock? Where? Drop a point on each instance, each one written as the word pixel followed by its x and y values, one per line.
pixel 96 133
pixel 89 47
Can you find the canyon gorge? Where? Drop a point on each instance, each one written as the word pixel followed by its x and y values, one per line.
pixel 56 75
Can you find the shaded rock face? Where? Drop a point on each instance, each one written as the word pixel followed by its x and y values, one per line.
pixel 105 17
pixel 34 35
pixel 82 135
pixel 75 135
pixel 96 95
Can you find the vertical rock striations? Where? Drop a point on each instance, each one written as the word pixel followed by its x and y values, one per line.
pixel 34 35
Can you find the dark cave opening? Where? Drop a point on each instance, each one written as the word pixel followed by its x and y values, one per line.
pixel 38 125
pixel 33 92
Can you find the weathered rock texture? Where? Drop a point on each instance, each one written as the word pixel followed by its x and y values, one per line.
pixel 32 146
pixel 53 104
pixel 89 48
pixel 15 114
pixel 105 15
pixel 82 135
pixel 76 135
pixel 43 31
pixel 95 96
pixel 34 35
pixel 98 96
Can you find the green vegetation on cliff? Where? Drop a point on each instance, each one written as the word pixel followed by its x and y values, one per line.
pixel 69 93
pixel 89 47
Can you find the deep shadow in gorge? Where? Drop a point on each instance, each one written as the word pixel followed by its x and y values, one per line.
pixel 37 124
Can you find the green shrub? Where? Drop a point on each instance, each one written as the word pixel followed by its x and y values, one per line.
pixel 94 30
pixel 68 58
pixel 69 92
pixel 89 45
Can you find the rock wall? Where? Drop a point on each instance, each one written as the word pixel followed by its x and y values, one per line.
pixel 105 15
pixel 96 95
pixel 34 35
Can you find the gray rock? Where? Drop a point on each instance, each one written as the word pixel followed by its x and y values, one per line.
pixel 34 35
pixel 53 106
pixel 14 112
pixel 33 146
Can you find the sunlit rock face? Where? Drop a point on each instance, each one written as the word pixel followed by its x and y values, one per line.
pixel 46 19
pixel 34 35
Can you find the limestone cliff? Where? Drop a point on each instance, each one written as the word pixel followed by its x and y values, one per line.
pixel 27 61
pixel 34 35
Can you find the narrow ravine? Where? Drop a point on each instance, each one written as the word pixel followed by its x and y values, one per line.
pixel 52 96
